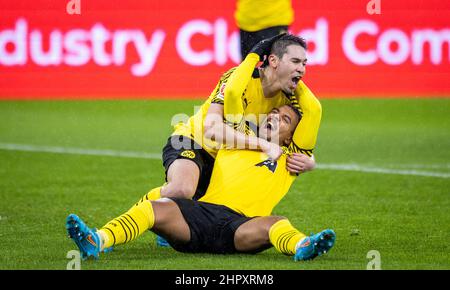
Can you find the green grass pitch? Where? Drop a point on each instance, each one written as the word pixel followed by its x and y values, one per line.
pixel 382 183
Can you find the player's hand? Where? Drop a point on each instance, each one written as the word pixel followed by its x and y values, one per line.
pixel 299 163
pixel 272 150
pixel 263 47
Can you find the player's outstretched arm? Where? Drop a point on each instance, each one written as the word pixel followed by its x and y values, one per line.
pixel 305 135
pixel 217 130
pixel 239 79
pixel 234 89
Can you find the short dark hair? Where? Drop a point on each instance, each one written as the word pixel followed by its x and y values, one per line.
pixel 296 111
pixel 279 47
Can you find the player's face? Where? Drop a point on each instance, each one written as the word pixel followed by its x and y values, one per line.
pixel 291 68
pixel 279 126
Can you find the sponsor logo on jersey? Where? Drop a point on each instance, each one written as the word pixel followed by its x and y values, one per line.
pixel 271 165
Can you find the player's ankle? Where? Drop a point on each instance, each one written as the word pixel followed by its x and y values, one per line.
pixel 102 238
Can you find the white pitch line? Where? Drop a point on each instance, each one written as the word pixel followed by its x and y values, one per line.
pixel 359 168
pixel 145 155
pixel 78 151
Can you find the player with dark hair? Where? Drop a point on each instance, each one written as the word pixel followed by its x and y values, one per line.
pixel 233 216
pixel 188 156
pixel 277 82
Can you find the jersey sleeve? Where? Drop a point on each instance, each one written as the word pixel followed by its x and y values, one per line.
pixel 305 135
pixel 219 92
pixel 233 110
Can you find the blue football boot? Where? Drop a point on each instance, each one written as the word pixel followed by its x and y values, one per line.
pixel 315 245
pixel 160 241
pixel 86 239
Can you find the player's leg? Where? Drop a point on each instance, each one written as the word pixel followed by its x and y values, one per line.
pixel 170 222
pixel 262 232
pixel 253 235
pixel 162 216
pixel 182 179
pixel 188 171
pixel 187 166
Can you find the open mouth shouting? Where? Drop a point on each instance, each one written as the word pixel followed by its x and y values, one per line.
pixel 294 81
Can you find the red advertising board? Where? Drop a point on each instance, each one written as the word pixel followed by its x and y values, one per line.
pixel 176 49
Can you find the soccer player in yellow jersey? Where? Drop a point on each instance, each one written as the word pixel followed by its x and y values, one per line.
pixel 189 154
pixel 261 19
pixel 233 216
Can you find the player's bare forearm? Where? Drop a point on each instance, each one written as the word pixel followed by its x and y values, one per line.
pixel 215 129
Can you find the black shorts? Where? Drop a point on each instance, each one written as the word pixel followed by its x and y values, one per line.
pixel 182 147
pixel 212 227
pixel 250 39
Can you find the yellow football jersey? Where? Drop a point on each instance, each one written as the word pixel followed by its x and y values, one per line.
pixel 248 182
pixel 254 15
pixel 254 104
pixel 251 107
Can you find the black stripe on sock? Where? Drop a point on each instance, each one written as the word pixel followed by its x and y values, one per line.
pixel 288 239
pixel 132 226
pixel 125 222
pixel 137 227
pixel 120 222
pixel 280 241
pixel 284 242
pixel 112 233
pixel 285 238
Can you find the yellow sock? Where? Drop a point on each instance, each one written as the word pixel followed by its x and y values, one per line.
pixel 128 226
pixel 284 237
pixel 153 194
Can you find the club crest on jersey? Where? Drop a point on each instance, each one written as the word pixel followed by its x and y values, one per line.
pixel 271 165
pixel 221 93
pixel 188 154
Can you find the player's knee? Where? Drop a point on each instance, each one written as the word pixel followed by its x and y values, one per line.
pixel 277 218
pixel 270 221
pixel 267 225
pixel 179 191
pixel 164 211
